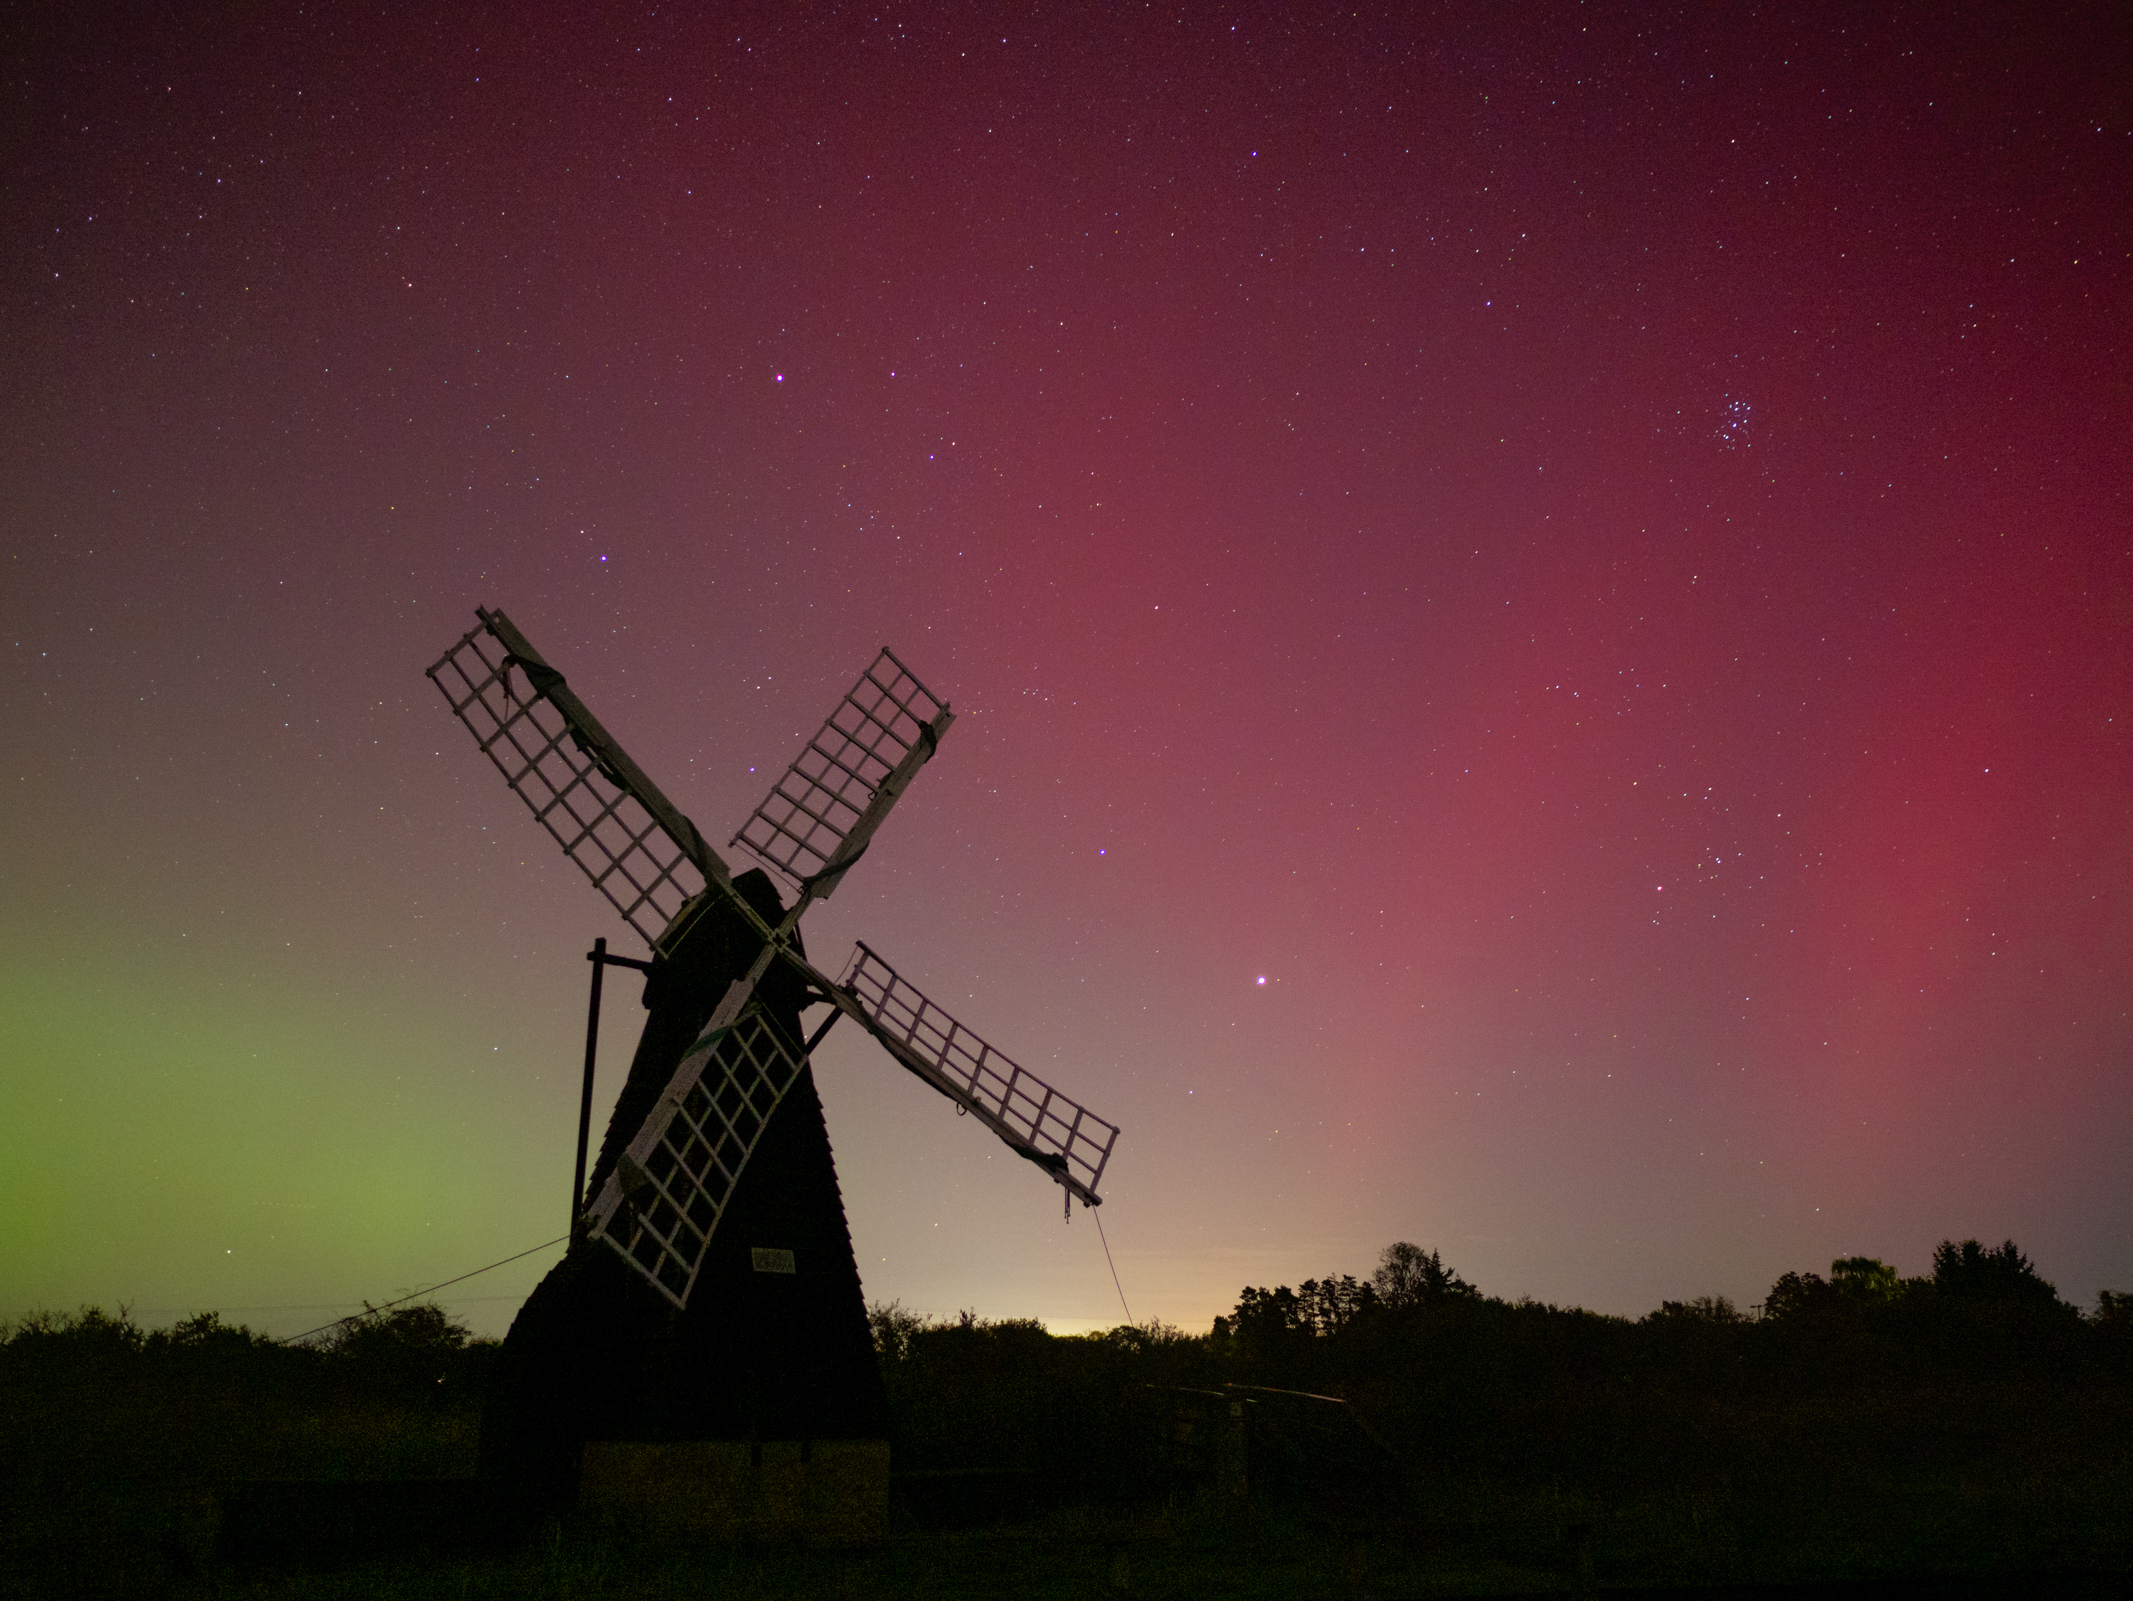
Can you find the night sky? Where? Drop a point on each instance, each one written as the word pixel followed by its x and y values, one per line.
pixel 1538 601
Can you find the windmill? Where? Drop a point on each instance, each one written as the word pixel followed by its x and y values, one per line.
pixel 710 1290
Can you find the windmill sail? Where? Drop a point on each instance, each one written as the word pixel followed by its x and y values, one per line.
pixel 668 1192
pixel 818 817
pixel 662 1203
pixel 630 840
pixel 1060 1135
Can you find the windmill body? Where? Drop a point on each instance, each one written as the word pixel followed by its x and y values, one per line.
pixel 710 1291
pixel 777 1353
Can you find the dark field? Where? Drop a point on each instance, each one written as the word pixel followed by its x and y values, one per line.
pixel 1891 1439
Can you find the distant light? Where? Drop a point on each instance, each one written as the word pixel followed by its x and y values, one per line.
pixel 603 558
pixel 781 378
pixel 1262 978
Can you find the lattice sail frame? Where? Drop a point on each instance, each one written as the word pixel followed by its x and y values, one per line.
pixel 819 816
pixel 609 819
pixel 663 1202
pixel 1053 1130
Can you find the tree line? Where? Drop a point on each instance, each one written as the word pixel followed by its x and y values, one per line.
pixel 1862 1362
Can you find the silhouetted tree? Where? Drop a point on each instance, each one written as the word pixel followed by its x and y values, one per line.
pixel 893 1326
pixel 1264 1320
pixel 412 1350
pixel 1704 1309
pixel 1799 1294
pixel 1327 1306
pixel 1972 1273
pixel 91 1332
pixel 1864 1278
pixel 1409 1276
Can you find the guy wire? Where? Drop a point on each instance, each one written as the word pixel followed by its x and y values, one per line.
pixel 357 1317
pixel 1113 1266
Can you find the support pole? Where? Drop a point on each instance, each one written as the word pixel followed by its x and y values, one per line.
pixel 598 957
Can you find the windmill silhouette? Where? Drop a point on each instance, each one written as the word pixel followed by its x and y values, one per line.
pixel 710 1290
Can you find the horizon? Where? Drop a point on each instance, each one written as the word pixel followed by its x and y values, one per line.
pixel 165 1318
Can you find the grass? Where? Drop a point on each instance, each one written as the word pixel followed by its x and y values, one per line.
pixel 152 1535
pixel 1078 1553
